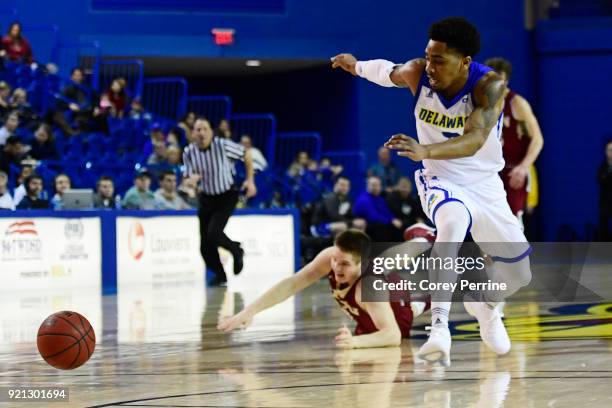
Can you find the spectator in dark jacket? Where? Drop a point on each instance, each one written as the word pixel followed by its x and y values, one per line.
pixel 13 152
pixel 16 47
pixel 34 186
pixel 403 205
pixel 43 144
pixel 371 205
pixel 333 214
pixel 105 198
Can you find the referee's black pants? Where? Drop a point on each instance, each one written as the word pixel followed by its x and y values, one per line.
pixel 214 212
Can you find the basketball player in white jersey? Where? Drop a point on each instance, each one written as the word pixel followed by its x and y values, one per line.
pixel 458 110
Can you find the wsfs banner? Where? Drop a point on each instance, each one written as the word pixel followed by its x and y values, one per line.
pixel 48 253
pixel 158 250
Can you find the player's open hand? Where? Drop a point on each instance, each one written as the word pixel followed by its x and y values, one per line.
pixel 345 61
pixel 239 320
pixel 407 147
pixel 344 339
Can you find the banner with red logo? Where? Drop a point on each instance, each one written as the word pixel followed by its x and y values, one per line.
pixel 47 253
pixel 159 249
pixel 167 249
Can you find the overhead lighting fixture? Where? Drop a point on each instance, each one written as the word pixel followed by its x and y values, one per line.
pixel 253 63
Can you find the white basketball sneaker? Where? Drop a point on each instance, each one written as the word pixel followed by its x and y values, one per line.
pixel 492 329
pixel 437 348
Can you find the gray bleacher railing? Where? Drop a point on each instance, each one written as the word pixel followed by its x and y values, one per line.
pixel 165 97
pixel 289 144
pixel 260 127
pixel 212 107
pixel 131 70
pixel 86 55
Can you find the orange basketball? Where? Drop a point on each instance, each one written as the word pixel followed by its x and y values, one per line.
pixel 66 340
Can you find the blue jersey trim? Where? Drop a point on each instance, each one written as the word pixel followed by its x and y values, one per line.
pixel 477 71
pixel 422 83
pixel 515 259
pixel 448 200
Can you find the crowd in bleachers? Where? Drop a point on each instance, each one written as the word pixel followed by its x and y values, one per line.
pixel 70 135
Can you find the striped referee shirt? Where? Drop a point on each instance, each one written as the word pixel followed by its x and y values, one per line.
pixel 214 164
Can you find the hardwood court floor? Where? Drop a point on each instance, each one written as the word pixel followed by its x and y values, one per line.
pixel 158 347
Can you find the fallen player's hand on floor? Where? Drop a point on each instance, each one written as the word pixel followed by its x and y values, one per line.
pixel 240 320
pixel 344 339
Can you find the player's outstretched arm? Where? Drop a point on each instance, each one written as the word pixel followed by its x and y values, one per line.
pixel 388 334
pixel 489 101
pixel 316 269
pixel 382 72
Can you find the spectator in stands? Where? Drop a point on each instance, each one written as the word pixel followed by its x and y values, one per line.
pixel 16 46
pixel 605 195
pixel 186 125
pixel 174 156
pixel 224 130
pixel 333 214
pixel 157 135
pixel 137 111
pixel 382 225
pixel 13 152
pixel 32 200
pixel 167 197
pixel 115 100
pixel 43 144
pixel 20 191
pixel 328 173
pixel 5 98
pixel 78 102
pixel 403 205
pixel 140 196
pixel 158 157
pixel 299 165
pixel 6 201
pixel 11 123
pixel 27 116
pixel 105 198
pixel 385 169
pixel 61 183
pixel 259 161
pixel 175 137
pixel 188 190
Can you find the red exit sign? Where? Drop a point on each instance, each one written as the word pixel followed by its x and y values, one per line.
pixel 223 36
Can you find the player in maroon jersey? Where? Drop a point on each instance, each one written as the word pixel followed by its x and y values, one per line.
pixel 522 140
pixel 379 324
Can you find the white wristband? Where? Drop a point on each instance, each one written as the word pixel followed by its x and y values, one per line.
pixel 377 71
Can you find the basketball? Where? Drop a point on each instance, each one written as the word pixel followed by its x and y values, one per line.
pixel 66 340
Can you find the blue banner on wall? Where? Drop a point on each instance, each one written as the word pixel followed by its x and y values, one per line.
pixel 206 6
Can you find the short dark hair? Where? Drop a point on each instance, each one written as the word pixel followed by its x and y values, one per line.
pixel 500 65
pixel 104 178
pixel 165 173
pixel 29 179
pixel 343 178
pixel 457 33
pixel 354 242
pixel 74 69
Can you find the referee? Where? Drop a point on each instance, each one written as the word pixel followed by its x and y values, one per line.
pixel 210 160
